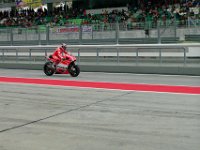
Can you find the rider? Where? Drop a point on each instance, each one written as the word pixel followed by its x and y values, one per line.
pixel 60 54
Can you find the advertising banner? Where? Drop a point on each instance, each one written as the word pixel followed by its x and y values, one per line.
pixel 67 29
pixel 73 29
pixel 87 29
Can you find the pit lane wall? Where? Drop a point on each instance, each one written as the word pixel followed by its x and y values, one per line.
pixel 179 59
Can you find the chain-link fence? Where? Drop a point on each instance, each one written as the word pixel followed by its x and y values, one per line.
pixel 103 33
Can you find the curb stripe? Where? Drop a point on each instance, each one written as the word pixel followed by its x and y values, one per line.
pixel 106 85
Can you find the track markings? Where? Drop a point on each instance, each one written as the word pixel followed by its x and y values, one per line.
pixel 106 85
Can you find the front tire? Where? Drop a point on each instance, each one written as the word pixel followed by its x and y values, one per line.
pixel 48 69
pixel 74 70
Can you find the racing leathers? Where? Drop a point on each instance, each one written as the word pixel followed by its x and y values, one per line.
pixel 59 54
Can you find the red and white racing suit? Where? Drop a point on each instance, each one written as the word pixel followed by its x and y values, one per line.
pixel 59 54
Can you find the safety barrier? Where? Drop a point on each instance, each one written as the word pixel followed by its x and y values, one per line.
pixel 177 56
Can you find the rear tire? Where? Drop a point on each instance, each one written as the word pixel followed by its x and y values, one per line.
pixel 48 69
pixel 74 70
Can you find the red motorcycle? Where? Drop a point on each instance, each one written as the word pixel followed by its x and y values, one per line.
pixel 66 66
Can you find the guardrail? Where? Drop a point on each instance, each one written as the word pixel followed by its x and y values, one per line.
pixel 130 58
pixel 132 52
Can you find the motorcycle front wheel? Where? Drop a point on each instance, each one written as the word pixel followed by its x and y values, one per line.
pixel 74 70
pixel 48 69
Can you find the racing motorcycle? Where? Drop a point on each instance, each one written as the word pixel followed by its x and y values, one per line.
pixel 66 66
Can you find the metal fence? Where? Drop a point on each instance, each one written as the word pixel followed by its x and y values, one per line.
pixel 126 54
pixel 139 33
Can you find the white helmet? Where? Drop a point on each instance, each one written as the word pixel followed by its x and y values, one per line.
pixel 64 46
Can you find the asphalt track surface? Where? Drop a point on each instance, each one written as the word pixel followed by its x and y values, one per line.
pixel 97 112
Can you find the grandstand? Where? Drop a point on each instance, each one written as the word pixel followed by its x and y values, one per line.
pixel 151 21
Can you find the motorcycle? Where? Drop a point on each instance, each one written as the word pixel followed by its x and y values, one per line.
pixel 66 66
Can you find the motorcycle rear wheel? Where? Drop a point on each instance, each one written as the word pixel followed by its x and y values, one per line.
pixel 48 69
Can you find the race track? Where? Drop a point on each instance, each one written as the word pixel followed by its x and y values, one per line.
pixel 38 116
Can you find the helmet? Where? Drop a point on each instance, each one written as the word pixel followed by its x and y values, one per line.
pixel 64 46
